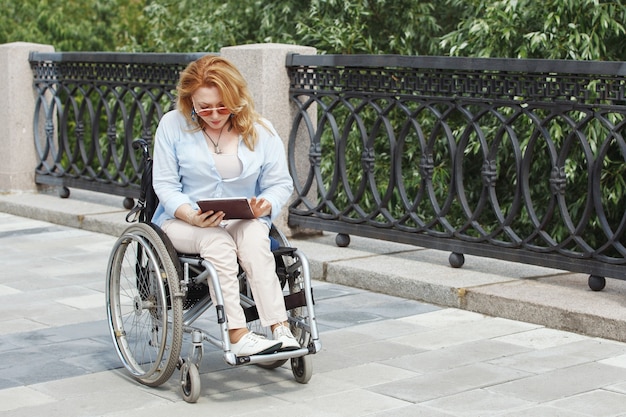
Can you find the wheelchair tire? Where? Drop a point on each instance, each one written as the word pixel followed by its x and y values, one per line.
pixel 302 369
pixel 143 306
pixel 190 382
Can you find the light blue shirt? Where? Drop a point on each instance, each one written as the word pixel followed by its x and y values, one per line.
pixel 184 169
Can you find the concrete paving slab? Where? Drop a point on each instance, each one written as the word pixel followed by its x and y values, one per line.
pixel 562 383
pixel 6 290
pixel 412 411
pixel 370 374
pixel 541 338
pixel 383 354
pixel 543 411
pixel 470 352
pixel 356 402
pixel 15 398
pixel 564 355
pixel 600 403
pixel 478 403
pixel 434 385
pixel 18 325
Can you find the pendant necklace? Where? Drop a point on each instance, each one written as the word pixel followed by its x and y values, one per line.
pixel 216 145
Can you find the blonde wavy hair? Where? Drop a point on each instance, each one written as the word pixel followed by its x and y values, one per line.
pixel 215 71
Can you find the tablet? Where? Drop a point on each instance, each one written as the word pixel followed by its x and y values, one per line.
pixel 233 208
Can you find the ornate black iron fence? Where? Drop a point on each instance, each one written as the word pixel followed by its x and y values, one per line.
pixel 89 109
pixel 521 160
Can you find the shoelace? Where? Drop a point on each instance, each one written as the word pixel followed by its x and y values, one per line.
pixel 253 337
pixel 283 331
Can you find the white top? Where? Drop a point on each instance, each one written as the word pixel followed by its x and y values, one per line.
pixel 228 165
pixel 185 170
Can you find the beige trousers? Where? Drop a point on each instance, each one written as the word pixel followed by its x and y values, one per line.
pixel 243 240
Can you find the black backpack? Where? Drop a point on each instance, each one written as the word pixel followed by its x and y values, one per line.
pixel 148 200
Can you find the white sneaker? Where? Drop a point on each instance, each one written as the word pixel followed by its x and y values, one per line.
pixel 253 344
pixel 283 334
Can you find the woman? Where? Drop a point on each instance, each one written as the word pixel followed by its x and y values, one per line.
pixel 215 145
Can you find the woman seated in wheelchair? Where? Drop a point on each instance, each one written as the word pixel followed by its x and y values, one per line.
pixel 216 145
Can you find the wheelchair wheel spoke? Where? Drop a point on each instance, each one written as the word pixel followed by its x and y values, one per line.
pixel 140 277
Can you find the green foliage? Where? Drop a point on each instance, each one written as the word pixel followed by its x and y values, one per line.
pixel 551 29
pixel 332 26
pixel 570 29
pixel 69 25
pixel 369 26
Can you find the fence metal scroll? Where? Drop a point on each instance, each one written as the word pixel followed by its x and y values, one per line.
pixel 89 109
pixel 521 160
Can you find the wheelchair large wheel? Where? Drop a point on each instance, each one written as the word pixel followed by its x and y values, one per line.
pixel 143 305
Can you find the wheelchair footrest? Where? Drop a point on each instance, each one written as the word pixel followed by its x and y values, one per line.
pixel 291 301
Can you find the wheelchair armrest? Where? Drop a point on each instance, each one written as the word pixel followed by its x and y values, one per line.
pixel 284 250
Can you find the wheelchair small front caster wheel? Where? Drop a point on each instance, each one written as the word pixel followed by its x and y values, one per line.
pixel 596 283
pixel 190 382
pixel 302 369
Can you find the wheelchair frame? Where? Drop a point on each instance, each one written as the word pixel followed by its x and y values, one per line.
pixel 154 295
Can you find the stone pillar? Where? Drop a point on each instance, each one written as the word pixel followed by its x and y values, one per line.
pixel 263 66
pixel 18 159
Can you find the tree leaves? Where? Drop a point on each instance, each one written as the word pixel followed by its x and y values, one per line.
pixel 568 29
pixel 552 29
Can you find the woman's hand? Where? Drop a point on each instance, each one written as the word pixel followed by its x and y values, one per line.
pixel 260 207
pixel 207 219
pixel 198 218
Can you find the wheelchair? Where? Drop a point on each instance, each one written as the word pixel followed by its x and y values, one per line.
pixel 155 294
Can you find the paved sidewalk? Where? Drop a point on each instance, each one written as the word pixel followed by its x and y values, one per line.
pixel 382 355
